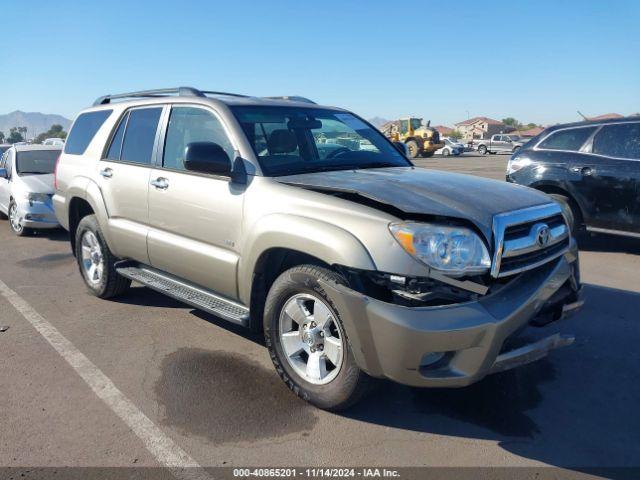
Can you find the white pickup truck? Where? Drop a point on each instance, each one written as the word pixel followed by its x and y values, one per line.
pixel 499 143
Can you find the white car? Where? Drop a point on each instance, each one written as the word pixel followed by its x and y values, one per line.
pixel 55 142
pixel 451 147
pixel 26 187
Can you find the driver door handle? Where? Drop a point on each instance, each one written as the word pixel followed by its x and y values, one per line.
pixel 585 171
pixel 160 183
pixel 106 173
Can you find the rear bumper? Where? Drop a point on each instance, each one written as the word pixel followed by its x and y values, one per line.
pixel 399 343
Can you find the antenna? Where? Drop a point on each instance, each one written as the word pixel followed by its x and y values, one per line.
pixel 580 113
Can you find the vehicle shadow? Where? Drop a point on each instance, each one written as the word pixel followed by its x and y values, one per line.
pixel 573 409
pixel 55 235
pixel 600 242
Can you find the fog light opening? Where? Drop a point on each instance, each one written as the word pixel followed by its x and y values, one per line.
pixel 429 359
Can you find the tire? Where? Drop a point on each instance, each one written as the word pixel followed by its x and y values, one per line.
pixel 412 149
pixel 482 150
pixel 445 152
pixel 90 243
pixel 570 210
pixel 14 223
pixel 293 291
pixel 515 149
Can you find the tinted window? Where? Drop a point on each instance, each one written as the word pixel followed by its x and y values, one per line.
pixel 36 161
pixel 621 140
pixel 83 131
pixel 140 135
pixel 188 125
pixel 116 143
pixel 571 139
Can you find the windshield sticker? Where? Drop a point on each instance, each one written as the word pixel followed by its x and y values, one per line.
pixel 351 121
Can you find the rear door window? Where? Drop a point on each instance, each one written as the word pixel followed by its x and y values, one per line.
pixel 619 140
pixel 140 135
pixel 116 144
pixel 84 129
pixel 571 139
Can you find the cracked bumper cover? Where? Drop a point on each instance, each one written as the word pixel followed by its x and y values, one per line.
pixel 391 340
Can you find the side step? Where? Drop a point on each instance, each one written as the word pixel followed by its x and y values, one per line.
pixel 186 292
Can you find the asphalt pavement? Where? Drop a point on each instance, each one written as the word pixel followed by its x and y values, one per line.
pixel 210 390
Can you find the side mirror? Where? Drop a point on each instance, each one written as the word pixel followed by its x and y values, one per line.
pixel 402 148
pixel 4 173
pixel 207 157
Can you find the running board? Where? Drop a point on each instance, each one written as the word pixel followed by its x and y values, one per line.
pixel 186 292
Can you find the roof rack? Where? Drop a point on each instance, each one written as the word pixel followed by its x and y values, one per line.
pixel 162 92
pixel 292 98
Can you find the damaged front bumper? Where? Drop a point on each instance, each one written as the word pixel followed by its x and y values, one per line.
pixel 456 345
pixel 38 215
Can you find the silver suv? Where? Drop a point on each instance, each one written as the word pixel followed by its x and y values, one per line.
pixel 306 223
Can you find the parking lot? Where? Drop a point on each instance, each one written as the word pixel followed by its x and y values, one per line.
pixel 211 388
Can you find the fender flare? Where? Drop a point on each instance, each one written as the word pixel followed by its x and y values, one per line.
pixel 330 243
pixel 90 192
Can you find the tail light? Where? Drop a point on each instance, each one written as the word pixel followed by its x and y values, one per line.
pixel 55 174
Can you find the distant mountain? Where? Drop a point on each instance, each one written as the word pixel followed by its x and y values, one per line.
pixel 377 121
pixel 35 122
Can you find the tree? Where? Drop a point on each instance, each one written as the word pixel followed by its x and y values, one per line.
pixel 56 131
pixel 1 137
pixel 455 134
pixel 511 122
pixel 15 136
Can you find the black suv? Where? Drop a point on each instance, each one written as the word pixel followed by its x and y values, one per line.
pixel 592 168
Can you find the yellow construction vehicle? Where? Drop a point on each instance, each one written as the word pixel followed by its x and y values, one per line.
pixel 421 140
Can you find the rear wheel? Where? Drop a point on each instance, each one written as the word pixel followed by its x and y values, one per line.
pixel 412 148
pixel 96 262
pixel 307 341
pixel 482 149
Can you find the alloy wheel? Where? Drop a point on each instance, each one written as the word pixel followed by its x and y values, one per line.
pixel 311 338
pixel 92 258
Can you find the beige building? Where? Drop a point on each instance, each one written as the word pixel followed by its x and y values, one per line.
pixel 480 128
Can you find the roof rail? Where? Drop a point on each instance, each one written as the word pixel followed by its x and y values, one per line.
pixel 292 98
pixel 161 92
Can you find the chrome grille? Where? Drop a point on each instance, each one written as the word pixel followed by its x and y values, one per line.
pixel 526 239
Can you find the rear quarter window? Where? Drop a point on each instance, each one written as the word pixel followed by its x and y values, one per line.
pixel 84 129
pixel 571 139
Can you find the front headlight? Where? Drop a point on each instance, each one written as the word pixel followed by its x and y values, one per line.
pixel 37 197
pixel 516 164
pixel 455 251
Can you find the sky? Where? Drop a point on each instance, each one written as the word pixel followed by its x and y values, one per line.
pixel 538 61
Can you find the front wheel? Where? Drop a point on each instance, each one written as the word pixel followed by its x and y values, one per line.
pixel 446 152
pixel 96 262
pixel 15 221
pixel 307 342
pixel 412 148
pixel 570 212
pixel 482 150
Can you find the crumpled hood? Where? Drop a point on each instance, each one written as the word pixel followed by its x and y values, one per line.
pixel 38 183
pixel 429 192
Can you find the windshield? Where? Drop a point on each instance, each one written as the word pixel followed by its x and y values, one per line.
pixel 291 140
pixel 36 161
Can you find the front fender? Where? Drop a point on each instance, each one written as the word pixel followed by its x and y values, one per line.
pixel 331 244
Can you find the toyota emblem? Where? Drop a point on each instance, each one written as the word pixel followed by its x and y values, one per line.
pixel 542 234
